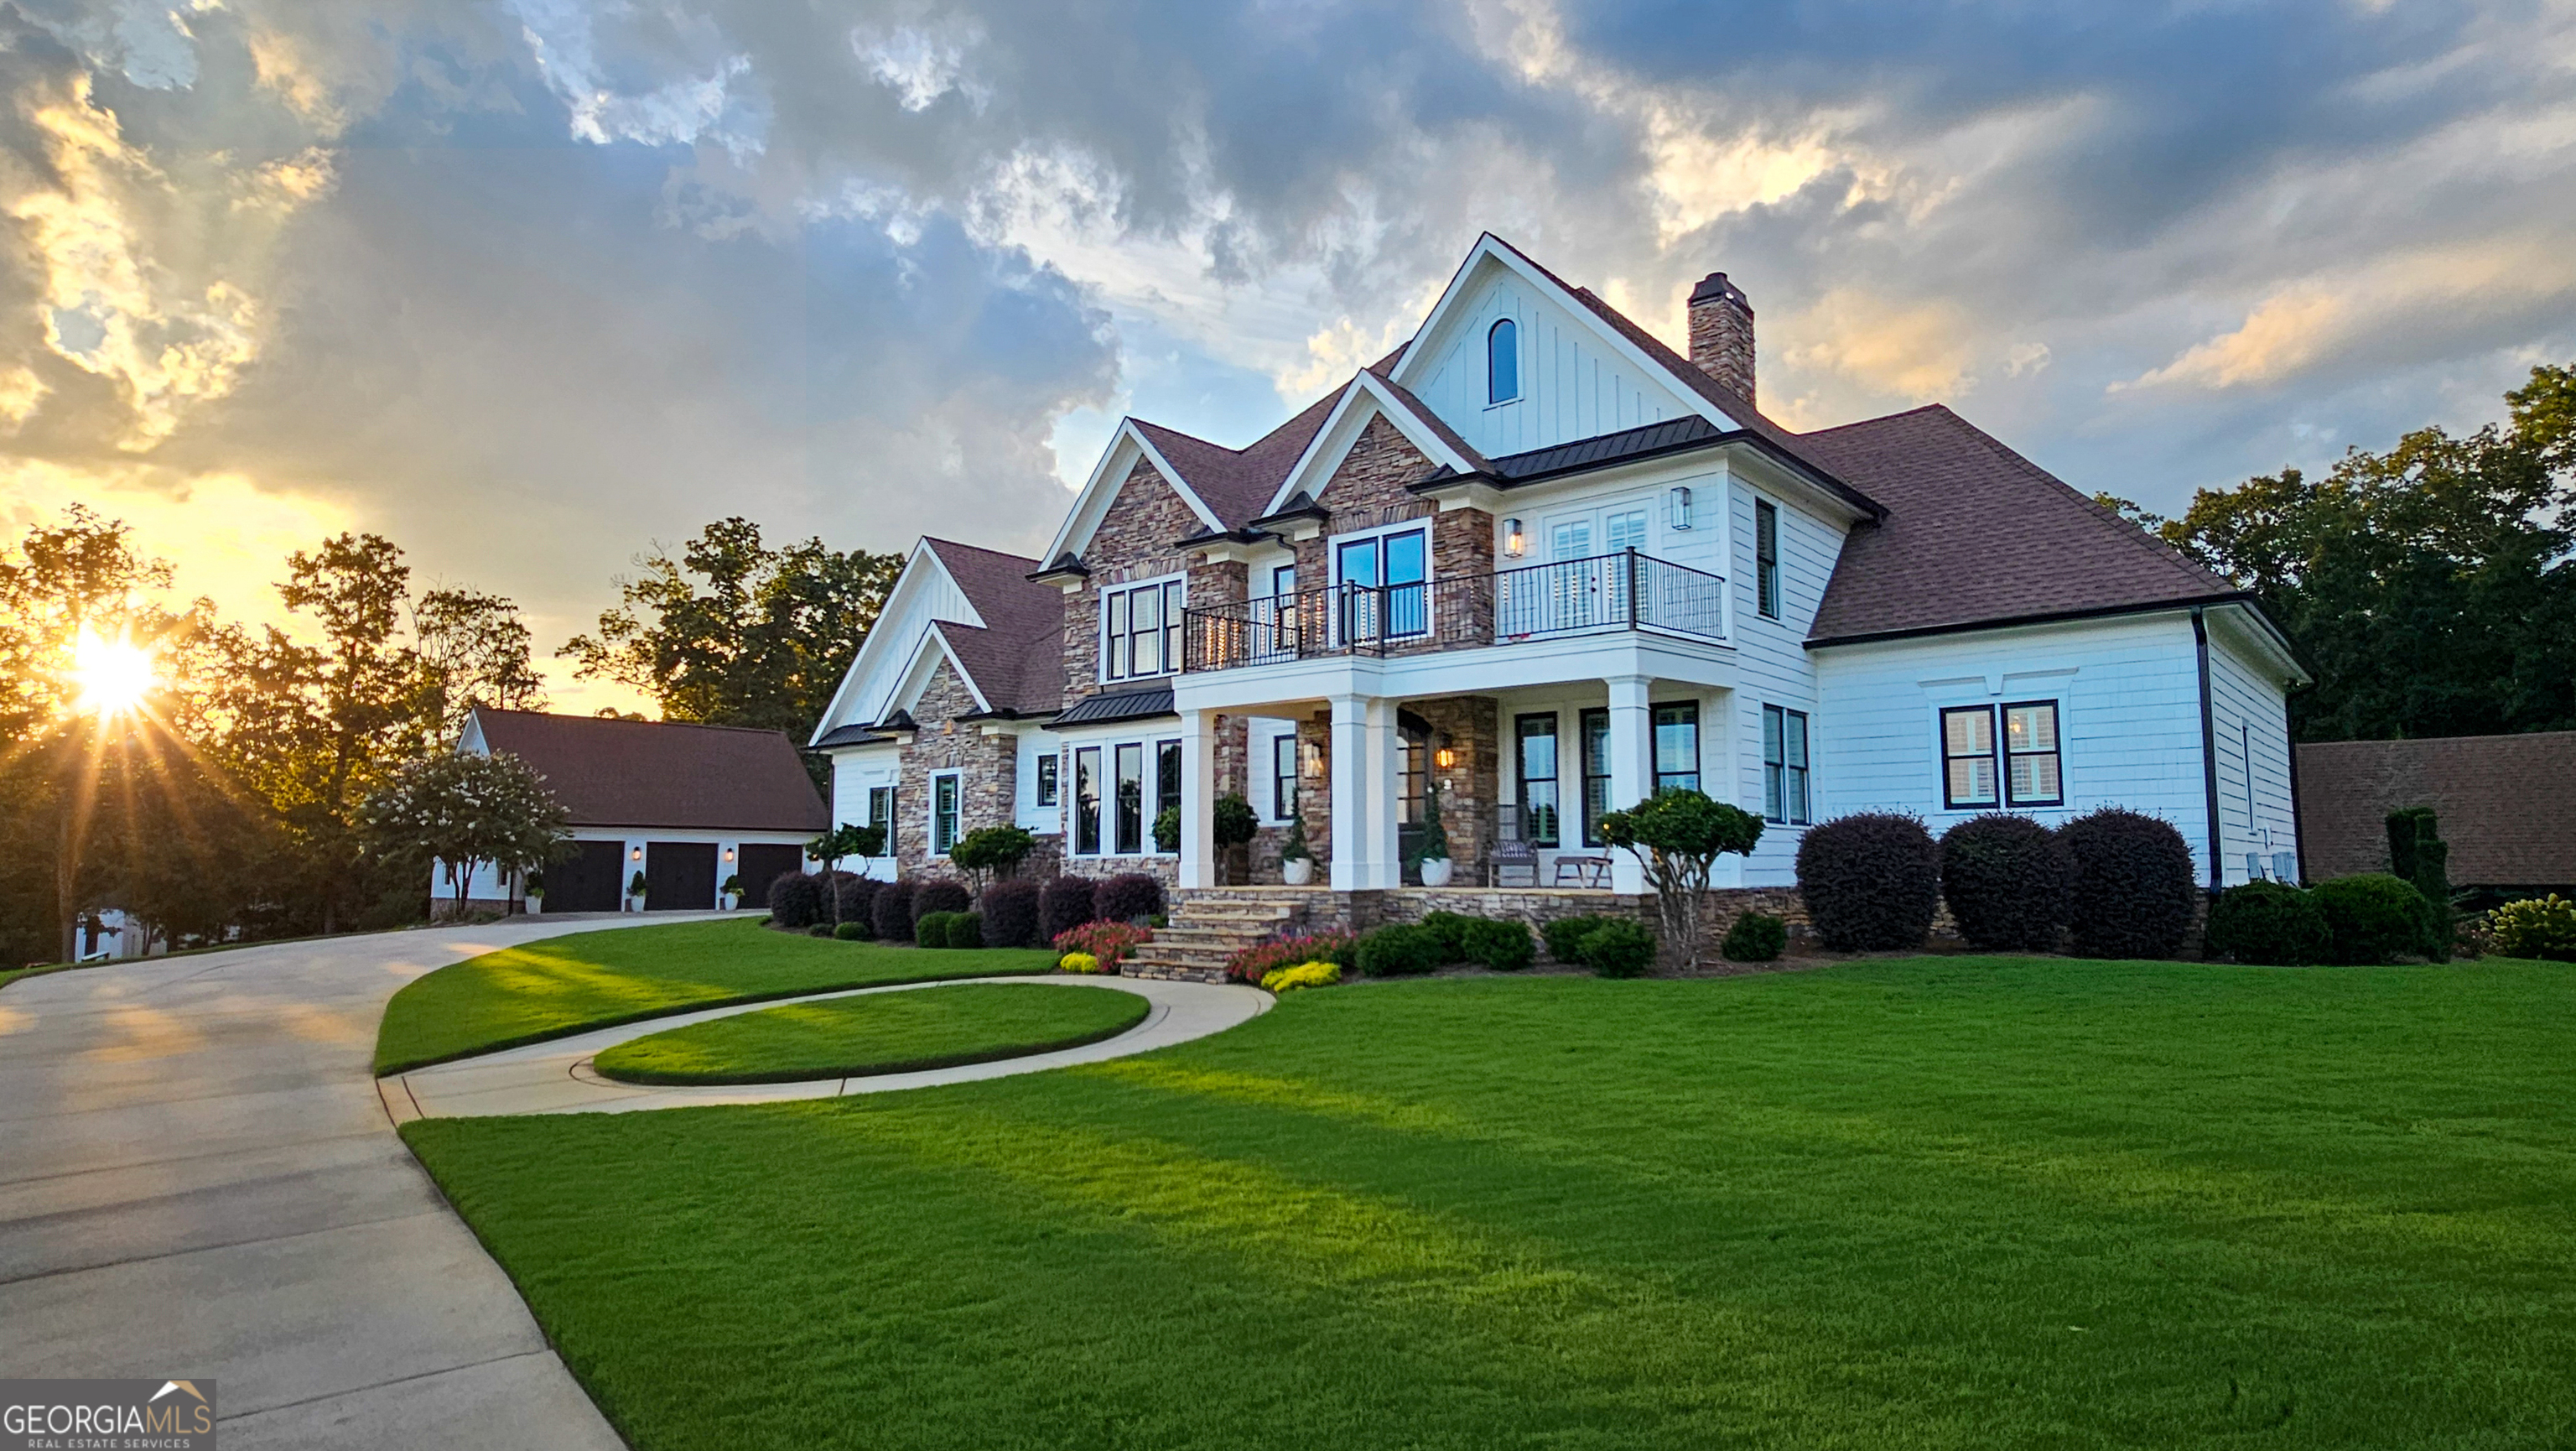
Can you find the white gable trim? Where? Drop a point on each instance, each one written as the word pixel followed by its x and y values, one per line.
pixel 1117 461
pixel 879 648
pixel 1367 397
pixel 1423 352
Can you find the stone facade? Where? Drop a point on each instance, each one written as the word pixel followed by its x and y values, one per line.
pixel 989 769
pixel 1721 333
pixel 1134 541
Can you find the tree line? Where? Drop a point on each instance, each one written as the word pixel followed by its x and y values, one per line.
pixel 258 792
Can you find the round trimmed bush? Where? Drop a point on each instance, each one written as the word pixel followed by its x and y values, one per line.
pixel 965 929
pixel 1619 948
pixel 2371 918
pixel 1755 937
pixel 2129 891
pixel 1502 946
pixel 891 912
pixel 1128 896
pixel 1450 930
pixel 851 931
pixel 1871 881
pixel 939 894
pixel 930 929
pixel 1067 903
pixel 820 929
pixel 794 899
pixel 1564 936
pixel 2269 923
pixel 1010 909
pixel 858 894
pixel 1400 951
pixel 2540 927
pixel 2005 880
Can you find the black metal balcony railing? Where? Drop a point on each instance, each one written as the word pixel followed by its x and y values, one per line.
pixel 1623 591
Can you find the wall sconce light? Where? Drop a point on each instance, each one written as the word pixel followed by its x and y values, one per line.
pixel 1515 543
pixel 1443 756
pixel 1681 497
pixel 636 855
pixel 728 853
pixel 1310 754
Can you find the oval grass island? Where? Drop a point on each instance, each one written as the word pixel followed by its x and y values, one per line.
pixel 879 1033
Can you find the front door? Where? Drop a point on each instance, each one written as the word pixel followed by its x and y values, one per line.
pixel 1412 778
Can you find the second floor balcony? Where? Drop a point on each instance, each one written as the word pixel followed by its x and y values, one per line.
pixel 1626 591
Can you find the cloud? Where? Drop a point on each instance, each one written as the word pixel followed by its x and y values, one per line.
pixel 1916 352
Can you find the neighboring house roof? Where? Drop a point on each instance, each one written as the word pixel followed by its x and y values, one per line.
pixel 1976 534
pixel 1119 705
pixel 661 774
pixel 1016 661
pixel 2505 804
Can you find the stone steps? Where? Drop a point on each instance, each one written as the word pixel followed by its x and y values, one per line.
pixel 1208 927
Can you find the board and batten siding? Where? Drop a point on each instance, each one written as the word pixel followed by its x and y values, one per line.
pixel 1572 384
pixel 2249 716
pixel 1774 663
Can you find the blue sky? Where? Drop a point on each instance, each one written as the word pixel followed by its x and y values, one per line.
pixel 530 284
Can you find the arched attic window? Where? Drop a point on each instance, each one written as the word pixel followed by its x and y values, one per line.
pixel 1503 362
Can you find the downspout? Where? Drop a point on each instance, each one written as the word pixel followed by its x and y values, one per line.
pixel 2208 749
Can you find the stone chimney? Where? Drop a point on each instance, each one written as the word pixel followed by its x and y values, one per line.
pixel 1721 333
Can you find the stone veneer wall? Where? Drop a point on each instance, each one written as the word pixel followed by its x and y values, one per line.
pixel 989 766
pixel 1134 541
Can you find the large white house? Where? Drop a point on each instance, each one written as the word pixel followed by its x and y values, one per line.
pixel 1546 561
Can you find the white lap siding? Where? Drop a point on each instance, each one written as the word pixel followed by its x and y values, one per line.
pixel 2250 719
pixel 1777 669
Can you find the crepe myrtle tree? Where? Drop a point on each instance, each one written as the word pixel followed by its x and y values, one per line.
pixel 1678 834
pixel 466 810
pixel 993 852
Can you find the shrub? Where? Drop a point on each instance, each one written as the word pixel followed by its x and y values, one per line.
pixel 1303 975
pixel 2005 880
pixel 1449 929
pixel 819 929
pixel 2129 891
pixel 858 894
pixel 2371 918
pixel 794 900
pixel 995 849
pixel 1128 896
pixel 1502 946
pixel 1400 950
pixel 1619 948
pixel 1065 905
pixel 2417 854
pixel 1677 835
pixel 939 894
pixel 1110 942
pixel 1755 937
pixel 2542 927
pixel 1010 909
pixel 1253 964
pixel 2271 923
pixel 930 929
pixel 1078 962
pixel 1871 881
pixel 965 929
pixel 851 932
pixel 1565 935
pixel 891 912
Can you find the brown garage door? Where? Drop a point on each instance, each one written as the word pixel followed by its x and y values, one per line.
pixel 589 879
pixel 679 876
pixel 763 863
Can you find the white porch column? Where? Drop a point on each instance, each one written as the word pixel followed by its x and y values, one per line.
pixel 1632 730
pixel 1381 748
pixel 1350 793
pixel 1198 798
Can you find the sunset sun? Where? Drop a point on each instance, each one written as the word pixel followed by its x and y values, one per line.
pixel 112 676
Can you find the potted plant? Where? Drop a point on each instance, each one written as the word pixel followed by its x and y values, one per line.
pixel 635 891
pixel 1296 859
pixel 536 893
pixel 1433 854
pixel 733 891
pixel 1232 824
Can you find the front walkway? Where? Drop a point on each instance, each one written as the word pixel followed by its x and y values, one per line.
pixel 557 1077
pixel 197 1179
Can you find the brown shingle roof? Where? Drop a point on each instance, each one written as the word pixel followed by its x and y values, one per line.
pixel 1977 534
pixel 661 774
pixel 1237 483
pixel 2506 805
pixel 1016 660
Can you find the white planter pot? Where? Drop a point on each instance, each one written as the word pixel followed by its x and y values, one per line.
pixel 1436 870
pixel 536 906
pixel 1297 872
pixel 732 900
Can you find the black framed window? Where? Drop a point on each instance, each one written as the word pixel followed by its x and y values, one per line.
pixel 1131 798
pixel 1786 797
pixel 1140 631
pixel 1766 558
pixel 1968 777
pixel 1283 777
pixel 944 791
pixel 1398 567
pixel 1596 773
pixel 1047 769
pixel 1167 776
pixel 881 811
pixel 1677 747
pixel 1535 747
pixel 2031 761
pixel 1086 801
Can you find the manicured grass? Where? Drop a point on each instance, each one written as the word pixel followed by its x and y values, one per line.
pixel 1953 1202
pixel 901 1032
pixel 594 979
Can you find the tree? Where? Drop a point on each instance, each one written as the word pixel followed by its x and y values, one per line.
pixel 1678 834
pixel 477 649
pixel 844 840
pixel 466 809
pixel 997 850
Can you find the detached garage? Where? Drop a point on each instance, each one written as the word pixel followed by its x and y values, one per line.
pixel 687 806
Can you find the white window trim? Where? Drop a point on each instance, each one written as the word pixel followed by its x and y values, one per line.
pixel 1100 633
pixel 930 817
pixel 1108 748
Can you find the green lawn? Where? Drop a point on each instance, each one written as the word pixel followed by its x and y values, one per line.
pixel 881 1033
pixel 618 975
pixel 1950 1202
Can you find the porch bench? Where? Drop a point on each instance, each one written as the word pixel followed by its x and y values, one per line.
pixel 1587 871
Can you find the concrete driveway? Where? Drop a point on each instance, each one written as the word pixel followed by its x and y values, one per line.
pixel 197 1178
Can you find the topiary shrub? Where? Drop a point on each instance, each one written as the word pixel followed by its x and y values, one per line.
pixel 1065 905
pixel 2541 927
pixel 939 894
pixel 1871 881
pixel 1399 951
pixel 891 912
pixel 965 929
pixel 1564 936
pixel 930 929
pixel 2005 880
pixel 2371 918
pixel 2268 923
pixel 851 931
pixel 1502 946
pixel 1619 948
pixel 794 899
pixel 1010 909
pixel 2417 854
pixel 1755 937
pixel 2129 890
pixel 1128 896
